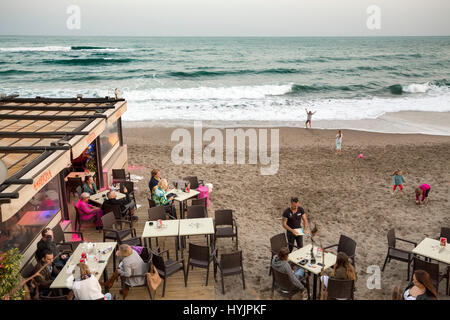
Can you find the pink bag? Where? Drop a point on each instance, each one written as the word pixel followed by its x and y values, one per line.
pixel 204 193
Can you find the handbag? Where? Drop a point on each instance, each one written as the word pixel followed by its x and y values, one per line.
pixel 153 279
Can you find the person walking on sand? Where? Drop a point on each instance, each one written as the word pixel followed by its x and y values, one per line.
pixel 398 180
pixel 424 190
pixel 339 142
pixel 309 117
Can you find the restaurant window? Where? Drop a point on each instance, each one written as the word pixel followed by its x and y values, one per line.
pixel 22 228
pixel 109 138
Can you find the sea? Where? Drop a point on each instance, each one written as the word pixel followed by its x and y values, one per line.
pixel 236 79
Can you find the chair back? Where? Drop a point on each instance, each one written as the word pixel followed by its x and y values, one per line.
pixel 156 213
pixel 223 217
pixel 277 242
pixel 431 268
pixel 391 238
pixel 231 260
pixel 108 220
pixel 199 252
pixel 127 184
pixel 338 289
pixel 193 180
pixel 194 212
pixel 283 282
pixel 445 233
pixel 58 234
pixel 119 174
pixel 73 183
pixel 151 202
pixel 158 262
pixel 114 208
pixel 199 202
pixel 347 245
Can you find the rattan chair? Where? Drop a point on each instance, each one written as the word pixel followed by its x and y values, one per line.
pixel 338 289
pixel 201 257
pixel 126 287
pixel 120 175
pixel 168 267
pixel 283 284
pixel 396 253
pixel 59 238
pixel 196 211
pixel 225 226
pixel 433 271
pixel 194 182
pixel 229 264
pixel 346 245
pixel 276 243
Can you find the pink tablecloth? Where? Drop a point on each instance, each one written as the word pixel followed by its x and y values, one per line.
pixel 204 193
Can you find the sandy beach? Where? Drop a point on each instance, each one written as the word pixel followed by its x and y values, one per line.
pixel 341 194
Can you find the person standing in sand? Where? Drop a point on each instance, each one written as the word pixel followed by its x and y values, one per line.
pixel 398 180
pixel 309 117
pixel 292 219
pixel 339 142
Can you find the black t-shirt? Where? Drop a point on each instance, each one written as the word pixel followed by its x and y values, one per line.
pixel 294 220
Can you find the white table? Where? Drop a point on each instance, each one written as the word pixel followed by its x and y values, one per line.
pixel 305 253
pixel 199 226
pixel 430 248
pixel 66 272
pixel 182 197
pixel 170 228
pixel 100 197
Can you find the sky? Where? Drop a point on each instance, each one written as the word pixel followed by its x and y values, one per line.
pixel 225 17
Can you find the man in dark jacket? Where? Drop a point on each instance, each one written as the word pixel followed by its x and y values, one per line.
pixel 47 243
pixel 125 203
pixel 48 274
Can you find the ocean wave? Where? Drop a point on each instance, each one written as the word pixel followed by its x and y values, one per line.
pixel 437 86
pixel 63 48
pixel 88 61
pixel 202 73
pixel 15 72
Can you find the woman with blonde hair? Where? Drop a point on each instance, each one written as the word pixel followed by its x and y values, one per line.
pixel 342 270
pixel 160 197
pixel 131 269
pixel 86 285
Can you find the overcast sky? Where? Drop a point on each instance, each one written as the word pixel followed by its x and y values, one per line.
pixel 225 17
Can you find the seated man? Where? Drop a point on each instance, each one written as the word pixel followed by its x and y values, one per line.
pixel 47 243
pixel 125 203
pixel 280 263
pixel 88 211
pixel 48 274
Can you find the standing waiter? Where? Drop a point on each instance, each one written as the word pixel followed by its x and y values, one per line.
pixel 292 219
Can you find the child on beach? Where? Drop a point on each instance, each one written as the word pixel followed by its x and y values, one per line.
pixel 424 190
pixel 309 117
pixel 339 142
pixel 398 180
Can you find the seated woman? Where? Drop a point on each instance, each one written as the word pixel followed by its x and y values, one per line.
pixel 154 180
pixel 86 285
pixel 89 185
pixel 161 199
pixel 131 265
pixel 342 270
pixel 280 263
pixel 88 211
pixel 421 288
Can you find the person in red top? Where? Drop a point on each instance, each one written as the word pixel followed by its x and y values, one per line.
pixel 424 190
pixel 88 211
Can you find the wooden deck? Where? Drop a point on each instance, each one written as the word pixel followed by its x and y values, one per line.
pixel 175 289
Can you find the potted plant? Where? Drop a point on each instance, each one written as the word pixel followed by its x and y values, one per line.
pixel 10 277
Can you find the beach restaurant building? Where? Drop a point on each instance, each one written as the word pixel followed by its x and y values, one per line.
pixel 48 146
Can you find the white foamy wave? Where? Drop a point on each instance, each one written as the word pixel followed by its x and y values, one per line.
pixel 48 48
pixel 423 88
pixel 208 93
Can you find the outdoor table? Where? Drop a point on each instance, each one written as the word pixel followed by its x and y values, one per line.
pixel 94 266
pixel 199 226
pixel 305 253
pixel 170 228
pixel 182 197
pixel 81 175
pixel 431 249
pixel 100 197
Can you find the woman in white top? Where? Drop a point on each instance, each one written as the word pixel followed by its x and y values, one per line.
pixel 421 288
pixel 339 142
pixel 87 286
